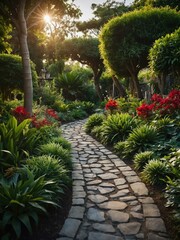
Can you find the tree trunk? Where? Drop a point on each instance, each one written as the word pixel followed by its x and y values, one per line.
pixel 161 83
pixel 27 75
pixel 98 89
pixel 120 87
pixel 137 87
pixel 97 74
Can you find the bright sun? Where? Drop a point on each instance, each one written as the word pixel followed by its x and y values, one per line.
pixel 47 18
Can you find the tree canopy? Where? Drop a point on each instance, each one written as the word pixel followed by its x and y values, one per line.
pixel 165 57
pixel 85 51
pixel 125 41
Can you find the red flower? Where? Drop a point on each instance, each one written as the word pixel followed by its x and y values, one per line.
pixel 52 113
pixel 20 113
pixel 145 110
pixel 111 104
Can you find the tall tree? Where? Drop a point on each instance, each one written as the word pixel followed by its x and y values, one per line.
pixel 126 40
pixel 23 14
pixel 103 13
pixel 85 51
pixel 156 3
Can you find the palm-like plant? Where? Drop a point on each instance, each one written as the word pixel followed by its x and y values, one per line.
pixel 71 84
pixel 142 158
pixel 94 121
pixel 117 127
pixel 23 199
pixel 56 150
pixel 141 139
pixel 155 172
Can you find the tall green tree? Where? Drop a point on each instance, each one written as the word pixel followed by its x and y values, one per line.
pixel 103 13
pixel 5 30
pixel 23 14
pixel 157 3
pixel 125 41
pixel 85 51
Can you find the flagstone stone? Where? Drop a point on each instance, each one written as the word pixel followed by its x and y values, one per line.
pixel 139 188
pixel 76 212
pixel 120 193
pixel 155 224
pixel 70 227
pixel 105 190
pixel 97 198
pixel 97 171
pixel 131 228
pixel 119 181
pixel 95 215
pixel 104 227
pixel 78 183
pixel 107 176
pixel 117 216
pixel 133 179
pixel 102 236
pixel 150 210
pixel 113 205
pixel 95 182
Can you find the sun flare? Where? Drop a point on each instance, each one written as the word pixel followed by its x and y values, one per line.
pixel 47 18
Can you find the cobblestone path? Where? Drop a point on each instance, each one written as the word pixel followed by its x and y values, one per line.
pixel 109 200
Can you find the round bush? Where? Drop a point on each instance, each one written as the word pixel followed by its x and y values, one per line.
pixel 93 121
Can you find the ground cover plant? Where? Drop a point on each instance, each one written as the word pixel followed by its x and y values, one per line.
pixel 151 146
pixel 31 185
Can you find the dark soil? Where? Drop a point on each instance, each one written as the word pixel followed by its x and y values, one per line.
pixel 51 224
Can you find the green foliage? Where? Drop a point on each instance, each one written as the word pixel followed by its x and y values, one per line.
pixel 142 158
pixel 45 96
pixel 141 139
pixel 128 105
pixel 164 55
pixel 117 127
pixel 16 141
pixel 5 29
pixel 94 121
pixel 56 68
pixel 23 199
pixel 155 172
pixel 73 85
pixel 12 74
pixel 120 147
pixel 63 142
pixel 56 150
pixel 124 45
pixel 51 169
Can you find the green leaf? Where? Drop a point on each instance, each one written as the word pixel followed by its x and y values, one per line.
pixel 37 206
pixel 34 216
pixel 25 220
pixel 6 217
pixel 16 226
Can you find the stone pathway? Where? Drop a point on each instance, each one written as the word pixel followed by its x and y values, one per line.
pixel 109 200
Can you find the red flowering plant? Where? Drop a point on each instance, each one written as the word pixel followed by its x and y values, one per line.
pixel 169 105
pixel 111 105
pixel 38 123
pixel 20 113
